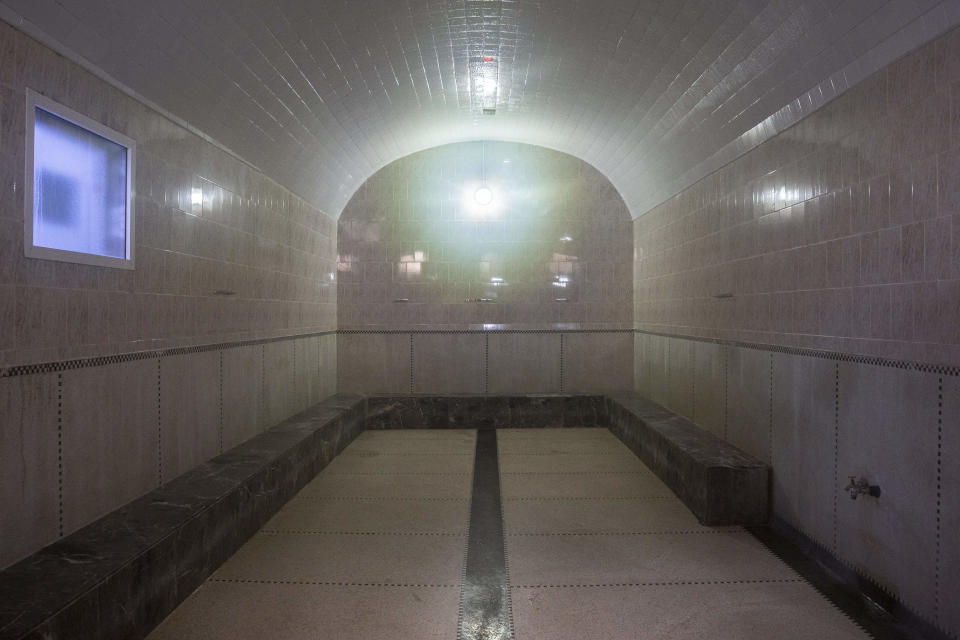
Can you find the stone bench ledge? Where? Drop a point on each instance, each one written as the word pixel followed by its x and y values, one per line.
pixel 718 482
pixel 119 576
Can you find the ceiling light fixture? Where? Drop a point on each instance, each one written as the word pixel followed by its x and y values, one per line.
pixel 483 196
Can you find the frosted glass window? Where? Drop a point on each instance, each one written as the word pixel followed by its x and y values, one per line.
pixel 80 209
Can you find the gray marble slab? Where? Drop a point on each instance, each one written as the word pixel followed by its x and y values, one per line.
pixel 721 484
pixel 121 575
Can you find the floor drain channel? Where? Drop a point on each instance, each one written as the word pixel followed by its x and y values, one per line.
pixel 485 594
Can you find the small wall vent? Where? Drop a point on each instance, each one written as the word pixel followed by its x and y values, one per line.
pixel 489 112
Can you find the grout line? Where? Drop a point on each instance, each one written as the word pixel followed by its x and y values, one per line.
pixel 60 453
pixel 726 385
pixel 627 533
pixel 627 454
pixel 466 548
pixel 159 427
pixel 561 363
pixel 263 387
pixel 380 499
pixel 486 364
pixel 383 454
pixel 220 424
pixel 693 384
pixel 659 584
pixel 395 473
pixel 332 584
pixel 309 532
pixel 836 448
pixel 574 473
pixel 770 423
pixel 506 552
pixel 601 498
pixel 937 556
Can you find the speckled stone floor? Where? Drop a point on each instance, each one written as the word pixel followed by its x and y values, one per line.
pixel 597 547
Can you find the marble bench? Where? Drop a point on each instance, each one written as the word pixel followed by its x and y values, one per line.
pixel 393 411
pixel 721 484
pixel 121 575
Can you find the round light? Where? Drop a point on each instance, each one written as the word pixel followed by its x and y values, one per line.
pixel 483 196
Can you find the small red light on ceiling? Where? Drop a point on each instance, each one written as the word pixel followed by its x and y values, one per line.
pixel 488 58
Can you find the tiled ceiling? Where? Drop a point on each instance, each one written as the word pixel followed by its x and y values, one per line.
pixel 654 93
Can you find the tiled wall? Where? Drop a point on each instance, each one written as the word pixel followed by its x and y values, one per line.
pixel 492 362
pixel 818 418
pixel 205 222
pixel 79 441
pixel 551 254
pixel 557 229
pixel 840 234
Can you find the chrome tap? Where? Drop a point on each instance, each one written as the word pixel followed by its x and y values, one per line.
pixel 861 488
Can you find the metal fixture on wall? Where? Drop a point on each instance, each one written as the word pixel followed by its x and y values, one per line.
pixel 861 487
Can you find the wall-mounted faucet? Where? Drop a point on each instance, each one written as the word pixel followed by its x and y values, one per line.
pixel 861 488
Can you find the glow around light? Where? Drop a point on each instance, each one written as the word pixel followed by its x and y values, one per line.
pixel 483 196
pixel 486 86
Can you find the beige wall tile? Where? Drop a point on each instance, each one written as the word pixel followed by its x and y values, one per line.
pixel 189 411
pixel 448 363
pixel 748 401
pixel 278 381
pixel 523 363
pixel 709 387
pixel 373 363
pixel 597 362
pixel 242 394
pixel 804 424
pixel 110 438
pixel 29 506
pixel 888 435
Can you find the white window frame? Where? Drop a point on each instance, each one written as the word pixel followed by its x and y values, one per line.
pixel 35 100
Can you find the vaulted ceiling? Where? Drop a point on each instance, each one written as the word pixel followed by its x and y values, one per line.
pixel 654 93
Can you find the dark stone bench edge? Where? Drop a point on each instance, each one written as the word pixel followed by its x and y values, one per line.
pixel 133 598
pixel 718 494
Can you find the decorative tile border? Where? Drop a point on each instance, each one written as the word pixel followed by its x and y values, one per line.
pixel 840 356
pixel 473 331
pixel 100 361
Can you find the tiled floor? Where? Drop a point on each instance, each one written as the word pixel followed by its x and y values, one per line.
pixel 372 548
pixel 598 547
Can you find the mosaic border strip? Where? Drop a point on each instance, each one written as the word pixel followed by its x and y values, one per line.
pixel 472 331
pixel 311 532
pixel 840 356
pixel 100 361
